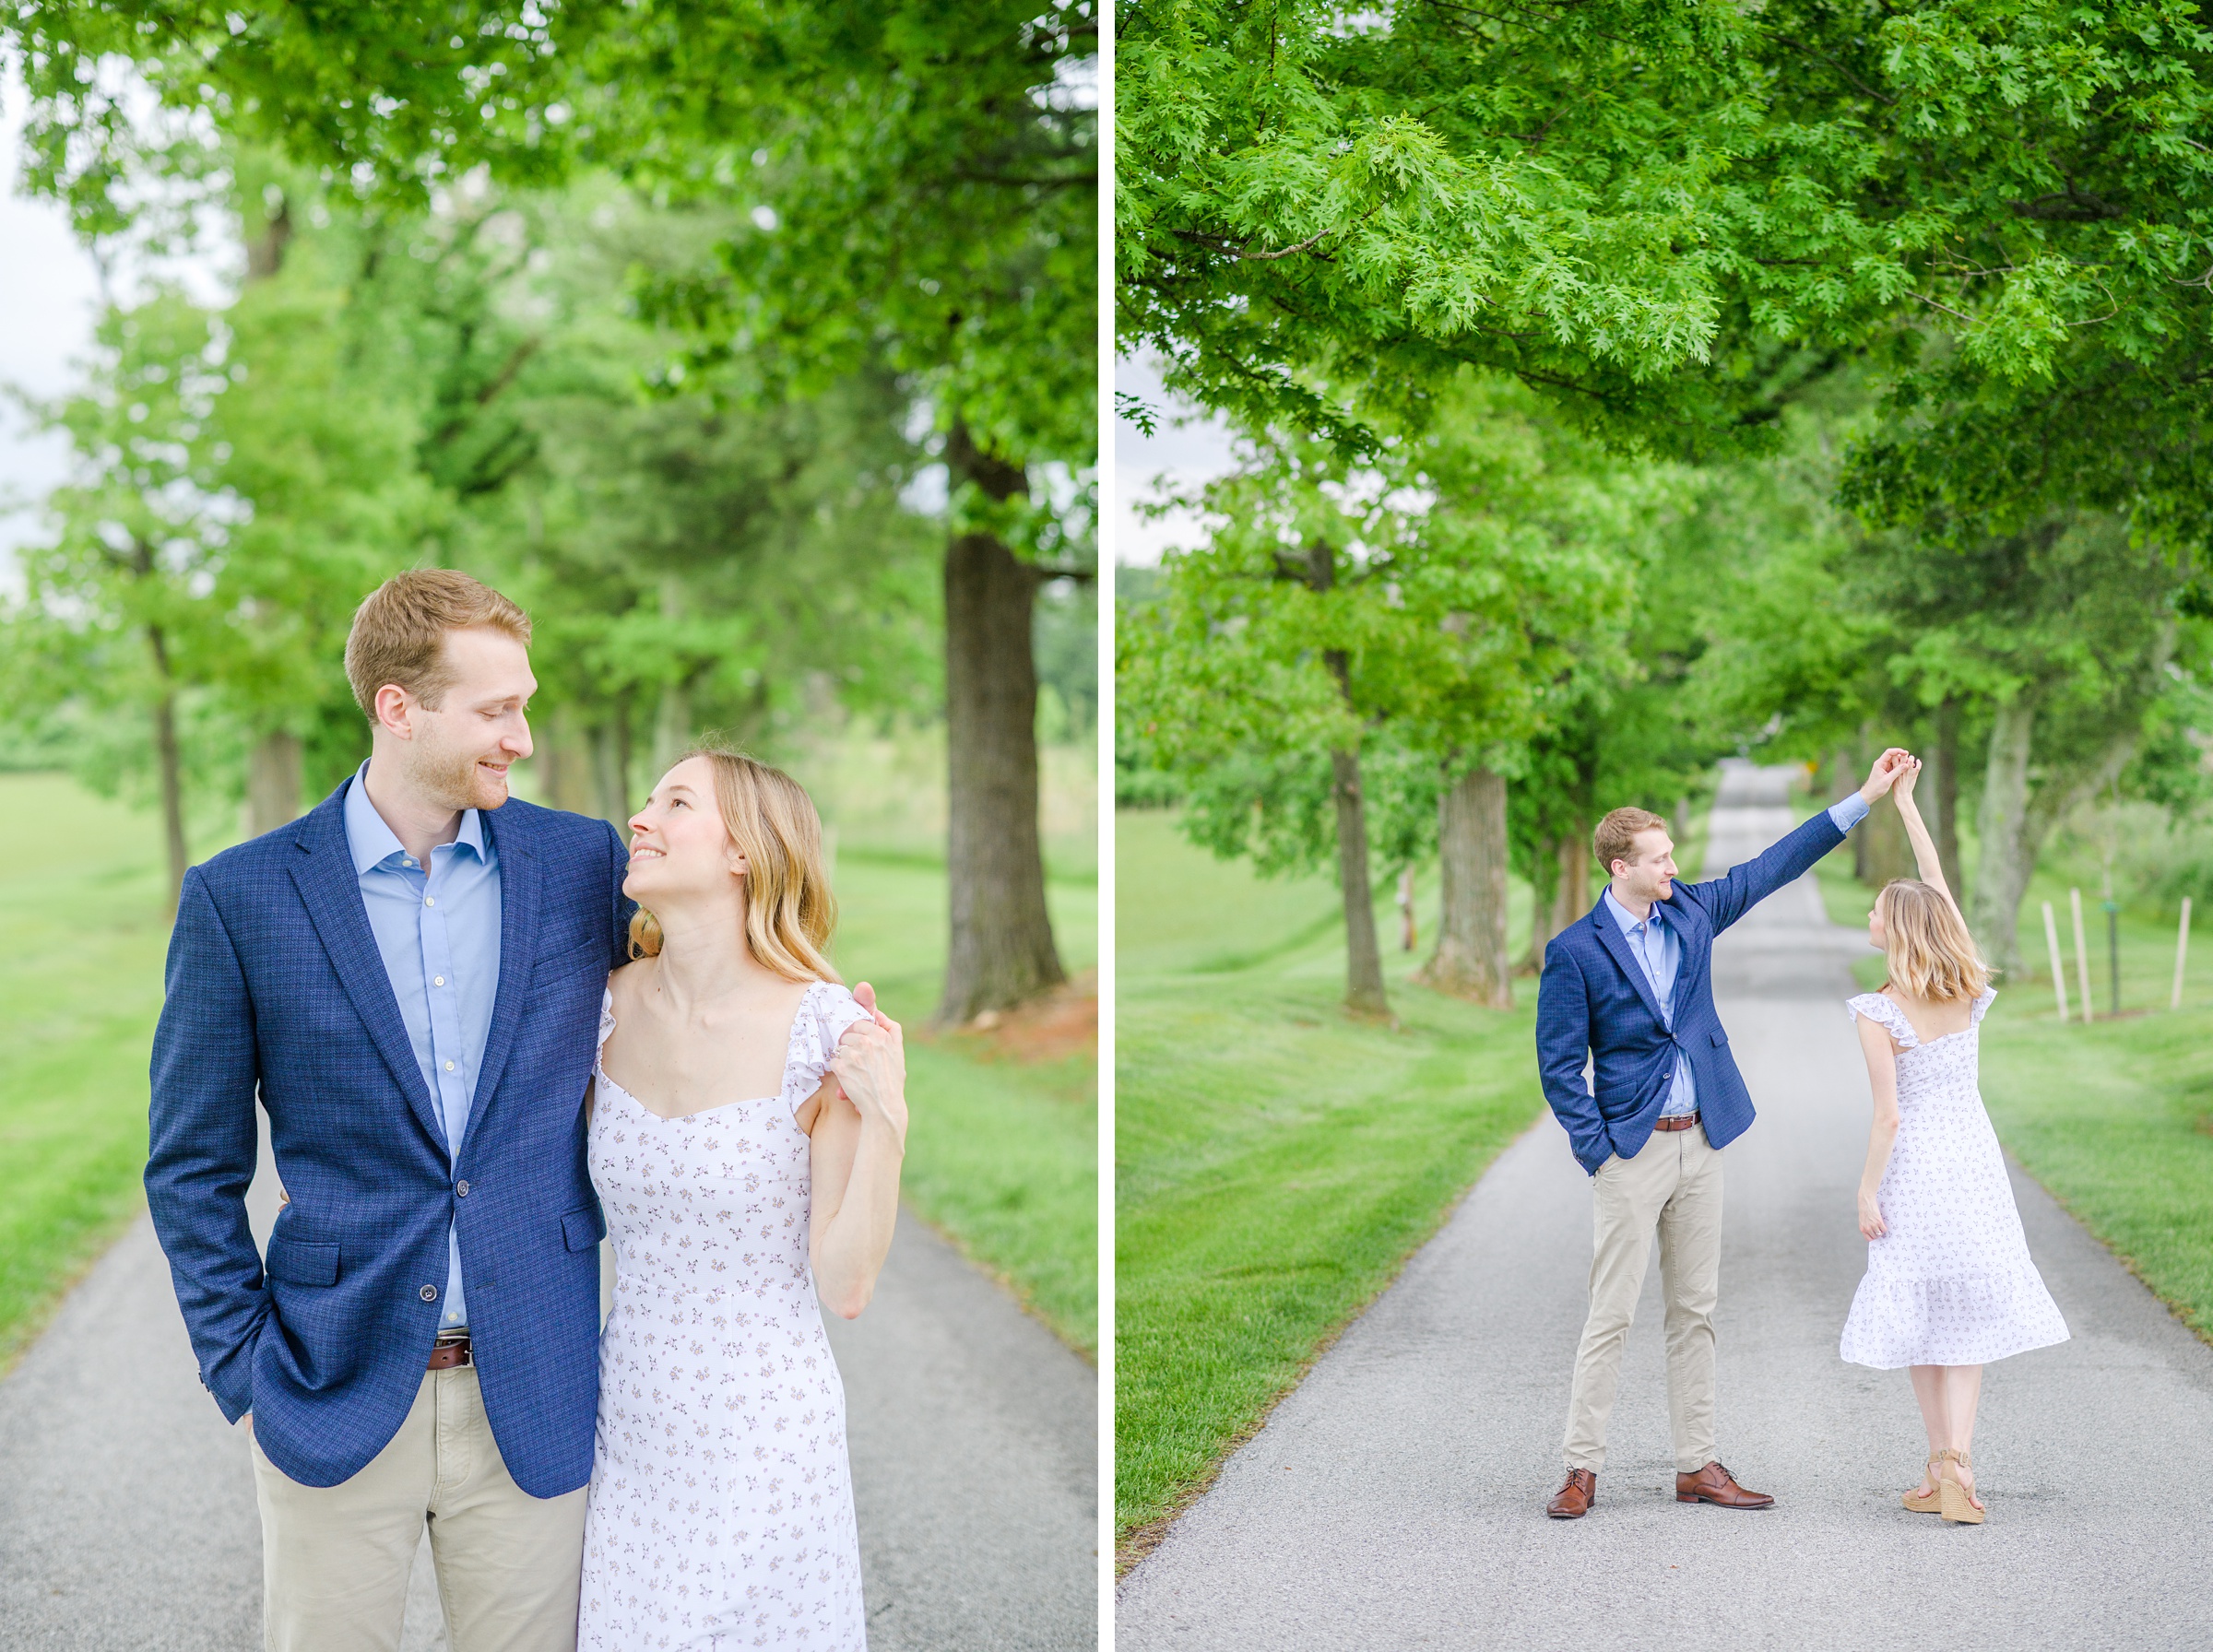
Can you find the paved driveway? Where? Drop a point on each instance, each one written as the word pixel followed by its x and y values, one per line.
pixel 1395 1500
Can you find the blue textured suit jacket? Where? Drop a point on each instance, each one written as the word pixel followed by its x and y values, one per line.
pixel 274 986
pixel 1595 1000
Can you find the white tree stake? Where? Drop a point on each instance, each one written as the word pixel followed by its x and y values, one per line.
pixel 2181 954
pixel 2059 969
pixel 2082 955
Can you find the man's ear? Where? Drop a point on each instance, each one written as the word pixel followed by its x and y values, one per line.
pixel 393 713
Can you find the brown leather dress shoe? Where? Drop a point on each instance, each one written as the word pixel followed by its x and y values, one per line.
pixel 1713 1483
pixel 1575 1497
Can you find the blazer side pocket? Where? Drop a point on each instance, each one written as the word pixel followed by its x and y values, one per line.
pixel 580 1230
pixel 303 1261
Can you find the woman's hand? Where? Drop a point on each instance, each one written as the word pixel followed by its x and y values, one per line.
pixel 1872 1225
pixel 1908 771
pixel 870 1065
pixel 1886 769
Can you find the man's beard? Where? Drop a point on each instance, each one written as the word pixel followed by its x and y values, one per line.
pixel 453 780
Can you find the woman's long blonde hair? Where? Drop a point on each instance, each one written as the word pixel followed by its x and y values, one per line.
pixel 790 910
pixel 1931 955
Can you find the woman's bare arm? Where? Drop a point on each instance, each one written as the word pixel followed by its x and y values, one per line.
pixel 858 1135
pixel 1925 859
pixel 1882 1134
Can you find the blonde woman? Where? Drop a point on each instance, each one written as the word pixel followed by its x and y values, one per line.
pixel 1949 1285
pixel 748 1120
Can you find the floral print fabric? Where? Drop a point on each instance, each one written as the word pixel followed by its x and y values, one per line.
pixel 721 1506
pixel 1950 1284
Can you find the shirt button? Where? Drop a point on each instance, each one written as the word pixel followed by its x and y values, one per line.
pixel 430 900
pixel 437 980
pixel 428 1293
pixel 449 1067
pixel 461 1188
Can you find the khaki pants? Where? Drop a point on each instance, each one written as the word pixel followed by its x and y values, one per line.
pixel 1673 1187
pixel 335 1560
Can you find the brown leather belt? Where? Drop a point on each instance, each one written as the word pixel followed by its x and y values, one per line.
pixel 449 1352
pixel 1681 1122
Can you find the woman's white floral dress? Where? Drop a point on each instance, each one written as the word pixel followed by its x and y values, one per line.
pixel 721 1506
pixel 1950 1284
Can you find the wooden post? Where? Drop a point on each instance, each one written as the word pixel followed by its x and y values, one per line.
pixel 2059 968
pixel 2181 954
pixel 2082 955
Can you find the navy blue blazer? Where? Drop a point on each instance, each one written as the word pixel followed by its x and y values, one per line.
pixel 274 988
pixel 1595 1000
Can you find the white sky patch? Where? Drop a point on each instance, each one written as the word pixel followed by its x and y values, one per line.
pixel 50 297
pixel 1189 449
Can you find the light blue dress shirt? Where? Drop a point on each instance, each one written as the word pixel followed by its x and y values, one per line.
pixel 438 930
pixel 1654 943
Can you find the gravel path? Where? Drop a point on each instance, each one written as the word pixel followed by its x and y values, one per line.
pixel 126 1504
pixel 1395 1499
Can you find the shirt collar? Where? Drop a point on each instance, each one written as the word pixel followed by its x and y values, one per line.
pixel 1623 916
pixel 372 842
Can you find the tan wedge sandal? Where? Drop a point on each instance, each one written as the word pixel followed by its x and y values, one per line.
pixel 1934 1500
pixel 1955 1507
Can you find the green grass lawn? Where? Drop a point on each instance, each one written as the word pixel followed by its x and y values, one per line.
pixel 1002 1155
pixel 2114 1118
pixel 1276 1162
pixel 82 940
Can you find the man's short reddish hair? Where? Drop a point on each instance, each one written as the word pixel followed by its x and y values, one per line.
pixel 398 632
pixel 1615 838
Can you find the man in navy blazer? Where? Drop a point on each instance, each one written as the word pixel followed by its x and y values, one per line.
pixel 407 980
pixel 1629 992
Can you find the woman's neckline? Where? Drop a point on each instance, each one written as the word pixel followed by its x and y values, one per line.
pixel 599 1068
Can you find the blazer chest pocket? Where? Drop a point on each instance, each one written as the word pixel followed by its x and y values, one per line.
pixel 1720 1039
pixel 303 1261
pixel 591 954
pixel 580 1230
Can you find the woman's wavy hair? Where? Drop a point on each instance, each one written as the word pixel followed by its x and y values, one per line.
pixel 1931 955
pixel 790 910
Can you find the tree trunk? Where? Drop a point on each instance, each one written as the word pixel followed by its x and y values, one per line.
pixel 610 768
pixel 1571 890
pixel 2008 853
pixel 1001 948
pixel 1363 962
pixel 1471 959
pixel 172 766
pixel 672 716
pixel 1885 850
pixel 1947 784
pixel 1543 898
pixel 272 782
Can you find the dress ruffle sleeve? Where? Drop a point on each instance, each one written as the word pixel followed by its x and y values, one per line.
pixel 825 1014
pixel 1886 1015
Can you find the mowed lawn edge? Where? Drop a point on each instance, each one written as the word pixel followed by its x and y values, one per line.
pixel 1278 1162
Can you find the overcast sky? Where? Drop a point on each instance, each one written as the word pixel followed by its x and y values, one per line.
pixel 1187 450
pixel 48 303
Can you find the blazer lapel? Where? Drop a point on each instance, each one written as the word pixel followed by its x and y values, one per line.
pixel 1614 941
pixel 331 890
pixel 1696 938
pixel 518 949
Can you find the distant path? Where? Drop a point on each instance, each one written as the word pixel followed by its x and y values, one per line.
pixel 126 1504
pixel 1395 1500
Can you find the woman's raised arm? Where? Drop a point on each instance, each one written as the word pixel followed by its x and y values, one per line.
pixel 1917 834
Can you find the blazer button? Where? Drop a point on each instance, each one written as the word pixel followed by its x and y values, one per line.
pixel 461 1188
pixel 428 1293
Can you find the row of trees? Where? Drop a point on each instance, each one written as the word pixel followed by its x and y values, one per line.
pixel 655 312
pixel 1627 384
